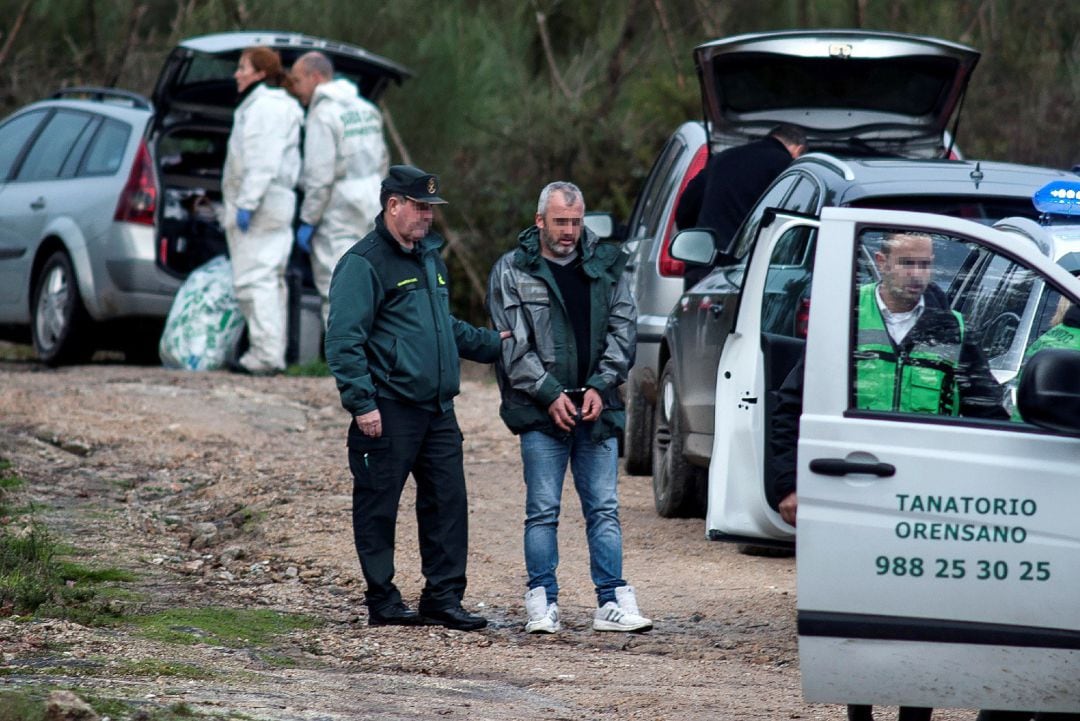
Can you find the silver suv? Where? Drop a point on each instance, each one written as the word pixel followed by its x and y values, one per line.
pixel 855 93
pixel 107 198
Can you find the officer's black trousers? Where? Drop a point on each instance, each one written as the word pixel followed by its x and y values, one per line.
pixel 428 444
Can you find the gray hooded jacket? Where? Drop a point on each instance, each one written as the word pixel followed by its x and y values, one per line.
pixel 540 359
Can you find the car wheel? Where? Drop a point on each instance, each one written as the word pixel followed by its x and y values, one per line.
pixel 677 483
pixel 60 323
pixel 638 443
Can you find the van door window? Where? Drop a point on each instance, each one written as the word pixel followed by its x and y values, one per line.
pixel 941 326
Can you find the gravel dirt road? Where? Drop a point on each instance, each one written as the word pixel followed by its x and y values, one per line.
pixel 219 490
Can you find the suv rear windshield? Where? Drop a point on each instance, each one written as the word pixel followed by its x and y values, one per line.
pixel 752 82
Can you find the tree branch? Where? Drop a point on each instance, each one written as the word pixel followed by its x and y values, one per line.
pixel 665 28
pixel 118 60
pixel 14 32
pixel 549 54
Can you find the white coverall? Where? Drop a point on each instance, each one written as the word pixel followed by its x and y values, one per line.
pixel 261 170
pixel 345 160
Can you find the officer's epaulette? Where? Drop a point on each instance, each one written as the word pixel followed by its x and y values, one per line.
pixel 366 245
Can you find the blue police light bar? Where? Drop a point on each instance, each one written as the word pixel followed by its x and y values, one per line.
pixel 1061 197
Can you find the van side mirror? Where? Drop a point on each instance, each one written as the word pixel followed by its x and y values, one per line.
pixel 604 226
pixel 1049 392
pixel 694 246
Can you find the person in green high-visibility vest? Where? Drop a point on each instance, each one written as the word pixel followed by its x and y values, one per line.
pixel 911 353
pixel 1064 332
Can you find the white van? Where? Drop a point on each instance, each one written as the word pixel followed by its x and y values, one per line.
pixel 938 555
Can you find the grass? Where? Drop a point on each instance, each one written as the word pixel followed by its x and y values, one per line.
pixel 21 706
pixel 29 705
pixel 221 626
pixel 314 368
pixel 27 570
pixel 81 574
pixel 33 578
pixel 8 479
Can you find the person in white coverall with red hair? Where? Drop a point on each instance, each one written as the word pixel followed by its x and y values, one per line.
pixel 345 160
pixel 261 170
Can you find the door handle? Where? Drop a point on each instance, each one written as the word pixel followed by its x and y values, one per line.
pixel 38 203
pixel 716 309
pixel 841 467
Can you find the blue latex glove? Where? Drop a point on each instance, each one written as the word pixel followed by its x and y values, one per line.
pixel 243 219
pixel 303 236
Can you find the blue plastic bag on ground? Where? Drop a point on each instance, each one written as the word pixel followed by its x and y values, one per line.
pixel 204 323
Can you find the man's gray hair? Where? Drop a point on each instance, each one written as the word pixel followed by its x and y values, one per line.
pixel 571 195
pixel 316 63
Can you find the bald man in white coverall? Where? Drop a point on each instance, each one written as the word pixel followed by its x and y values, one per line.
pixel 345 160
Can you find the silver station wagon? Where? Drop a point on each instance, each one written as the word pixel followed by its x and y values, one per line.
pixel 108 198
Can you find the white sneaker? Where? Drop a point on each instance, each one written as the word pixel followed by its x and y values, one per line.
pixel 622 614
pixel 543 616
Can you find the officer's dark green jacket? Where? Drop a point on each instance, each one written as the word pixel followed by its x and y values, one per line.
pixel 540 358
pixel 390 333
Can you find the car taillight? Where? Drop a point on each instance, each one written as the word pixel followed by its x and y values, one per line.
pixel 666 265
pixel 138 200
pixel 669 267
pixel 802 318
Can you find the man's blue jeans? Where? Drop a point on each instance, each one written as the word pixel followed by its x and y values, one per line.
pixel 595 467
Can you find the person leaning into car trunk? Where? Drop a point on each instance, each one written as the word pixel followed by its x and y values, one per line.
pixel 566 301
pixel 345 158
pixel 262 165
pixel 721 195
pixel 393 348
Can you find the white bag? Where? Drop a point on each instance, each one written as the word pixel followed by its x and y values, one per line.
pixel 204 323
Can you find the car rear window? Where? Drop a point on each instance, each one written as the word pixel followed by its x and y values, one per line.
pixel 107 149
pixel 753 82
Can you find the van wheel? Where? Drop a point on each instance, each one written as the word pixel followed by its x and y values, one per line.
pixel 60 324
pixel 638 445
pixel 677 484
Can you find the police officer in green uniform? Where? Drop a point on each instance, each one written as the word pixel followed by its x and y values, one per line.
pixel 393 348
